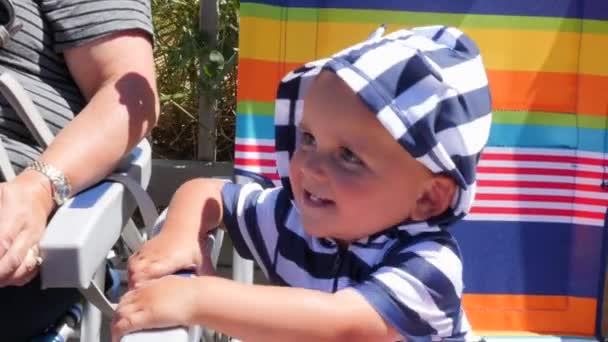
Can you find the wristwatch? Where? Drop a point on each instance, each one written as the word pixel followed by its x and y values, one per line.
pixel 59 182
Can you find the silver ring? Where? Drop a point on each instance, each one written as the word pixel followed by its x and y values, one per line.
pixel 35 253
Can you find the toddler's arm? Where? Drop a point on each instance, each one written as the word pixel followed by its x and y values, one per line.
pixel 195 209
pixel 252 312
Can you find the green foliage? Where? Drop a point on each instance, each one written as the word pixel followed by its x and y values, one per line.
pixel 188 67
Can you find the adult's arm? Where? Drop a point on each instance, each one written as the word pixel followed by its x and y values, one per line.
pixel 116 76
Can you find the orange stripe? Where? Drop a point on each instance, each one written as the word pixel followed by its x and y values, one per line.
pixel 592 95
pixel 558 315
pixel 549 92
pixel 511 90
pixel 258 80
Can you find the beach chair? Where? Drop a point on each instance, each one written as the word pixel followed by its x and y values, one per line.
pixel 534 245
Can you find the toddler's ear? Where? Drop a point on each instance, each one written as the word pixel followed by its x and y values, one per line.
pixel 435 198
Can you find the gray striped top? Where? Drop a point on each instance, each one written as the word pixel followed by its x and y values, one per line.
pixel 35 55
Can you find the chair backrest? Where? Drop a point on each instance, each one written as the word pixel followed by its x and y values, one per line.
pixel 534 245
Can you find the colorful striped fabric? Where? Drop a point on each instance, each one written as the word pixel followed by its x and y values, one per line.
pixel 533 245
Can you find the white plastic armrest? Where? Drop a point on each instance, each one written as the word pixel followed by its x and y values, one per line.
pixel 179 334
pixel 82 232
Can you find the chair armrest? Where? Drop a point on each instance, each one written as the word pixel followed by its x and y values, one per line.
pixel 82 232
pixel 179 334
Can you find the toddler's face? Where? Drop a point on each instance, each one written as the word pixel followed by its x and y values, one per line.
pixel 349 177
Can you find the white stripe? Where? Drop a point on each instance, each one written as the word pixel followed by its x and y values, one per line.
pixel 429 163
pixel 254 142
pixel 344 282
pixel 454 34
pixel 245 192
pixel 422 43
pixel 281 110
pixel 290 76
pixel 443 156
pixel 257 169
pixel 535 218
pixel 282 163
pixel 466 199
pixel 265 209
pixel 535 178
pixel 294 224
pixel 421 98
pixel 541 165
pixel 354 81
pixel 475 77
pixel 371 255
pixel 414 295
pixel 466 139
pixel 443 259
pixel 377 61
pixel 391 122
pixel 298 277
pixel 541 191
pixel 254 155
pixel 418 228
pixel 299 111
pixel 539 205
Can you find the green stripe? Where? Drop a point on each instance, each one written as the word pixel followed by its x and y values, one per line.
pixel 424 18
pixel 255 107
pixel 499 117
pixel 549 119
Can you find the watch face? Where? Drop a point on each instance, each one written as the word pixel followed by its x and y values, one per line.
pixel 62 191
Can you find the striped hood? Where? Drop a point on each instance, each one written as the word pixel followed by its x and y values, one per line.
pixel 428 88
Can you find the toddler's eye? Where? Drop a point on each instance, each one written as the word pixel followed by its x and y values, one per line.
pixel 349 157
pixel 307 139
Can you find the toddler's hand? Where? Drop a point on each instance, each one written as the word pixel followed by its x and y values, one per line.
pixel 161 303
pixel 165 254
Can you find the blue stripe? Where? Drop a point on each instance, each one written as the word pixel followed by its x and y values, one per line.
pixel 255 126
pixel 438 285
pixel 230 195
pixel 502 135
pixel 319 265
pixel 254 230
pixel 530 258
pixel 586 139
pixel 449 113
pixel 402 318
pixel 590 9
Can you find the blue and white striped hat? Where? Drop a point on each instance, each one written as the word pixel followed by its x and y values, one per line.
pixel 427 86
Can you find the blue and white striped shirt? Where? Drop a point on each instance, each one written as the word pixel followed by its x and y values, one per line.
pixel 411 274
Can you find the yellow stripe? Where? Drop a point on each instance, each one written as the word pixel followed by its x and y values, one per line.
pixel 299 41
pixel 593 58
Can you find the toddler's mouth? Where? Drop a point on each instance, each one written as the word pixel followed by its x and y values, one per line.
pixel 315 200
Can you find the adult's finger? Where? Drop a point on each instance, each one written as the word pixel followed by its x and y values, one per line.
pixel 16 258
pixel 29 268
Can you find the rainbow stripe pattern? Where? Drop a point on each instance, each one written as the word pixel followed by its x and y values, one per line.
pixel 534 244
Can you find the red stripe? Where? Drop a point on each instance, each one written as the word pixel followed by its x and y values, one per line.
pixel 254 148
pixel 540 185
pixel 541 198
pixel 540 171
pixel 544 158
pixel 538 211
pixel 254 162
pixel 271 176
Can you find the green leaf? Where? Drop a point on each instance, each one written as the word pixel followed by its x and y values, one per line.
pixel 216 57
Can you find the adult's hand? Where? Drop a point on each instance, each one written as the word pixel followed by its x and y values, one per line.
pixel 25 204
